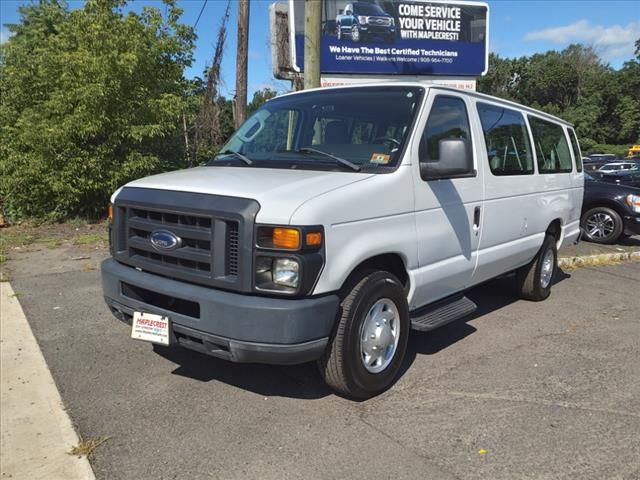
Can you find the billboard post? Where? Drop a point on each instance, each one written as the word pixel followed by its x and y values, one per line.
pixel 312 24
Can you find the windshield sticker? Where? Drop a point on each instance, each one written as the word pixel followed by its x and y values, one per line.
pixel 381 158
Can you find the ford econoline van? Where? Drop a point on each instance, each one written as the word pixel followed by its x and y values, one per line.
pixel 335 221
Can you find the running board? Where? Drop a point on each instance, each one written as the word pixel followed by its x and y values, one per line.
pixel 440 313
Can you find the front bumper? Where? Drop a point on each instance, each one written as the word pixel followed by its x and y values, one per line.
pixel 632 225
pixel 239 328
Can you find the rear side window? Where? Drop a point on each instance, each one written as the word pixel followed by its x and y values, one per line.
pixel 576 150
pixel 551 146
pixel 448 119
pixel 507 140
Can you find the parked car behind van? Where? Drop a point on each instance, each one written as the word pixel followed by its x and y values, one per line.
pixel 630 178
pixel 334 221
pixel 609 211
pixel 618 167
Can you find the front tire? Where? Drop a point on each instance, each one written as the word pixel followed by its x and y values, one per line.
pixel 602 225
pixel 534 280
pixel 370 340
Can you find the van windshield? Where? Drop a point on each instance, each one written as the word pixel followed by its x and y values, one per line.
pixel 365 128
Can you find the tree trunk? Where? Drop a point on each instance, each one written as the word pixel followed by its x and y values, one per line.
pixel 186 139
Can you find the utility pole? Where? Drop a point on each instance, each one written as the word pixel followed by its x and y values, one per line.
pixel 312 24
pixel 241 64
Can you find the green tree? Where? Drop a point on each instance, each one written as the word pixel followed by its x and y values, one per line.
pixel 576 85
pixel 91 98
pixel 260 97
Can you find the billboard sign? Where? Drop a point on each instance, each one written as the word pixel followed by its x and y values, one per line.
pixel 397 37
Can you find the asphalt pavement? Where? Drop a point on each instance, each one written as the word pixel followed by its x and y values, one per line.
pixel 518 390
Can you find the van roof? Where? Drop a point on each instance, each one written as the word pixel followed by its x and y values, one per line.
pixel 482 96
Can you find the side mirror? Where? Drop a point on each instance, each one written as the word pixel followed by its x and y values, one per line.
pixel 455 160
pixel 348 12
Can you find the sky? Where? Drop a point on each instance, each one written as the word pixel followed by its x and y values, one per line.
pixel 516 28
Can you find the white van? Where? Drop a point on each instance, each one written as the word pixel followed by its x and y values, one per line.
pixel 336 220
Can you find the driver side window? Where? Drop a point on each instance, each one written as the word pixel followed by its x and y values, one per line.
pixel 448 119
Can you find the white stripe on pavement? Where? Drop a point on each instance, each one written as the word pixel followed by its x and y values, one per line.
pixel 36 432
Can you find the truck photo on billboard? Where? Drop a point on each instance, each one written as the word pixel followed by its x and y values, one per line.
pixel 404 37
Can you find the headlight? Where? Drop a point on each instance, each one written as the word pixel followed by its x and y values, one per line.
pixel 286 272
pixel 277 274
pixel 287 259
pixel 363 19
pixel 634 202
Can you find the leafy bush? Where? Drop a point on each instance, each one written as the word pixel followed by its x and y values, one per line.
pixel 90 99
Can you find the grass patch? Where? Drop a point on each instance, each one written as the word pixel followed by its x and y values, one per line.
pixel 50 235
pixel 51 242
pixel 90 238
pixel 77 222
pixel 11 239
pixel 86 447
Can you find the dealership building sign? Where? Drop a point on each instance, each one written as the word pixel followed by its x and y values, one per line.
pixel 397 37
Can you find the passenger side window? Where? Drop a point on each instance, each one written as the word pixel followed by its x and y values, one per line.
pixel 507 140
pixel 576 149
pixel 551 146
pixel 448 120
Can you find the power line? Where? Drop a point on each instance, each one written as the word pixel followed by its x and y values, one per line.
pixel 200 14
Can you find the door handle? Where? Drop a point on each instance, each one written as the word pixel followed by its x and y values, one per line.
pixel 476 220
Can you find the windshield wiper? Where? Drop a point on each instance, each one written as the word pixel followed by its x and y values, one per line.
pixel 342 161
pixel 242 157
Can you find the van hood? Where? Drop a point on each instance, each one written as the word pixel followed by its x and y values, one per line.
pixel 278 191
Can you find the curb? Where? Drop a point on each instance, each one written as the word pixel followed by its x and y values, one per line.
pixel 35 428
pixel 602 258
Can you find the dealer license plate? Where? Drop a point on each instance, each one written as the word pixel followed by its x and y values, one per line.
pixel 150 328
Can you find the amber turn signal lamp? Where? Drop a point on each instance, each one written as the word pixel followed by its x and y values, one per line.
pixel 287 238
pixel 110 212
pixel 313 239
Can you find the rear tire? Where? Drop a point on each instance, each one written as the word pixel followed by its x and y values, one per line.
pixel 364 355
pixel 534 280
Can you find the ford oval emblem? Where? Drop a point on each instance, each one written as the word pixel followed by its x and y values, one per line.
pixel 165 240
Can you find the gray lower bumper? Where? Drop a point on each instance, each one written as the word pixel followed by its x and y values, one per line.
pixel 239 328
